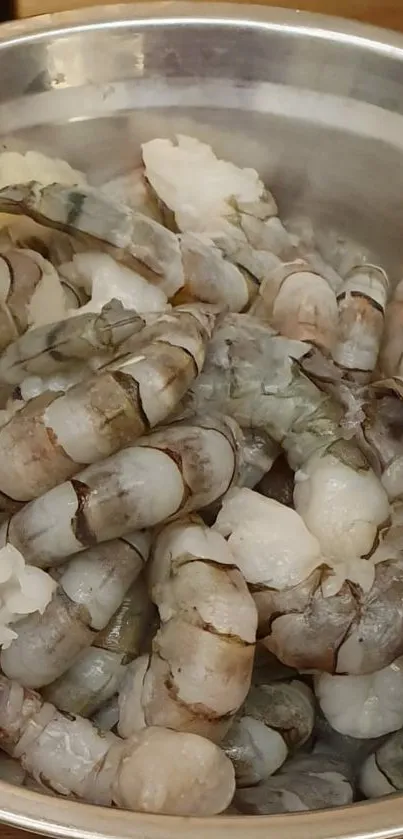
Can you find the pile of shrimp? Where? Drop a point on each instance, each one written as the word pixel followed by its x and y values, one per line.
pixel 201 466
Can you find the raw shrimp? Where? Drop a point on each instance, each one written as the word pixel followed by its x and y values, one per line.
pixel 90 589
pixel 382 772
pixel 199 671
pixel 55 435
pixel 96 674
pixel 286 707
pixel 82 211
pixel 363 706
pixel 31 294
pixel 194 463
pixel 362 301
pixel 72 757
pixel 391 356
pixel 312 782
pixel 257 378
pixel 23 590
pixel 48 349
pixel 220 201
pixel 299 304
pixel 100 278
pixel 212 278
pixel 256 750
pixel 323 620
pixel 379 432
pixel 258 453
pixel 33 165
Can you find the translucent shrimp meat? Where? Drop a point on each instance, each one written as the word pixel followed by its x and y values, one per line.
pixel 195 463
pixel 299 304
pixel 204 193
pixel 199 671
pixel 382 772
pixel 55 435
pixel 362 301
pixel 285 707
pixel 363 706
pixel 72 757
pixel 90 589
pixel 86 212
pixel 212 278
pixel 23 590
pixel 96 674
pixel 312 782
pixel 48 349
pixel 102 278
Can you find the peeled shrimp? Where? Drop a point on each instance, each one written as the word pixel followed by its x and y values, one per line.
pixel 73 757
pixel 311 782
pixel 55 435
pixel 195 465
pixel 48 349
pixel 97 672
pixel 90 589
pixel 82 211
pixel 199 671
pixel 363 706
pixel 362 301
pixel 299 304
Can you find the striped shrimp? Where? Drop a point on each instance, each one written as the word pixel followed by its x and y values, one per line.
pixel 199 671
pixel 194 463
pixel 90 589
pixel 70 756
pixel 88 213
pixel 96 674
pixel 72 341
pixel 275 718
pixel 55 435
pixel 362 302
pixel 258 378
pixel 299 304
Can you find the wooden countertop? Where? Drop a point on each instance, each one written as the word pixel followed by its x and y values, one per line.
pixel 387 13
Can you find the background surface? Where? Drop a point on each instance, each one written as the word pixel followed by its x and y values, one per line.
pixel 387 13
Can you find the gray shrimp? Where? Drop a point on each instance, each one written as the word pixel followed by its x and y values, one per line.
pixel 56 435
pixel 305 782
pixel 72 341
pixel 199 670
pixel 194 463
pixel 90 589
pixel 90 213
pixel 382 772
pixel 69 755
pixel 96 674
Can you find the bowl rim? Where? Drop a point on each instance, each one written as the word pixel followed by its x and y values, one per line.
pixel 28 810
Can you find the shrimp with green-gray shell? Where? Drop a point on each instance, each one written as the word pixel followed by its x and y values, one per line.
pixel 258 378
pixel 100 768
pixel 382 772
pixel 275 718
pixel 304 782
pixel 90 589
pixel 72 341
pixel 195 463
pixel 96 674
pixel 56 435
pixel 199 670
pixel 362 302
pixel 102 223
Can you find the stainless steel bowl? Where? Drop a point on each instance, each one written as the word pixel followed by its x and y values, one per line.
pixel 316 105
